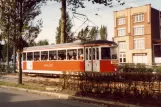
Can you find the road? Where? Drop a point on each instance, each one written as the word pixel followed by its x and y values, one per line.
pixel 12 98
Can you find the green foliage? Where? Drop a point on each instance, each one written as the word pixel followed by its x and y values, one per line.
pixel 69 34
pixel 16 23
pixel 131 67
pixel 93 33
pixel 88 34
pixel 17 20
pixel 103 33
pixel 42 42
pixel 82 35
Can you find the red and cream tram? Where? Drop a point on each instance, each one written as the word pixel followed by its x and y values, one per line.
pixel 93 56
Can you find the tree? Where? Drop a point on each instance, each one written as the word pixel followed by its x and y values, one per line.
pixel 83 34
pixel 93 33
pixel 76 4
pixel 69 34
pixel 103 33
pixel 21 14
pixel 42 42
pixel 88 34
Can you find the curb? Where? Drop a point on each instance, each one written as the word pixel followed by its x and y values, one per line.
pixel 66 96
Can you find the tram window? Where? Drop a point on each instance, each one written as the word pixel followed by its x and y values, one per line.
pixel 52 55
pixel 30 56
pixel 94 53
pixel 72 54
pixel 114 56
pixel 36 56
pixel 61 54
pixel 105 53
pixel 80 54
pixel 44 55
pixel 90 54
pixel 86 53
pixel 97 50
pixel 113 53
pixel 24 56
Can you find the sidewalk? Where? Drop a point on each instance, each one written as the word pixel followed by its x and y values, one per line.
pixel 66 96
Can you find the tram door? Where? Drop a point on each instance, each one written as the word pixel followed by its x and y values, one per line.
pixel 92 63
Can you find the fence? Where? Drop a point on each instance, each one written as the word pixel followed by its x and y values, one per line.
pixel 133 85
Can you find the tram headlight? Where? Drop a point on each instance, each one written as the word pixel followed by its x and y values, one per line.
pixel 115 69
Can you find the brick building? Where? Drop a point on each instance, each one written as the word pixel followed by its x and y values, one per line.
pixel 136 31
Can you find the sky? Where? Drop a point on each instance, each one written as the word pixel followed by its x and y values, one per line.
pixel 97 15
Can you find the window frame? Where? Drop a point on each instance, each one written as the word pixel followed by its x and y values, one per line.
pixel 139 30
pixel 56 54
pixel 47 55
pixel 121 21
pixel 123 44
pixel 35 58
pixel 27 56
pixel 122 57
pixel 137 45
pixel 24 57
pixel 71 53
pixel 139 18
pixel 120 33
pixel 108 58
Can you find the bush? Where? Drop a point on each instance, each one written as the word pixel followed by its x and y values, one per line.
pixel 131 67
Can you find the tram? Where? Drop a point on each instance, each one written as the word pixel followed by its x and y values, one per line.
pixel 92 56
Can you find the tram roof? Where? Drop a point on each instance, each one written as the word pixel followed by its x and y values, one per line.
pixel 99 42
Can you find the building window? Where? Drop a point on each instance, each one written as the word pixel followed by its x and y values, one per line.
pixel 139 18
pixel 139 44
pixel 122 57
pixel 122 46
pixel 139 30
pixel 140 58
pixel 121 21
pixel 121 32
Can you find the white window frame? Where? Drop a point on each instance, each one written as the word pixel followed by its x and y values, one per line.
pixel 139 30
pixel 122 46
pixel 122 56
pixel 138 18
pixel 121 21
pixel 142 58
pixel 138 44
pixel 120 31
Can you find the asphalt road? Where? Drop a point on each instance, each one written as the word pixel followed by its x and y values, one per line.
pixel 12 98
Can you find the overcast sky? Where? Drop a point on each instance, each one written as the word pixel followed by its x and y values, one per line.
pixel 51 14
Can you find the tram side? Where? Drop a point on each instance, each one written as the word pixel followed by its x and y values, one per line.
pixel 71 58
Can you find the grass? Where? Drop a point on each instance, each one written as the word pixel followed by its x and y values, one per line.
pixel 31 86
